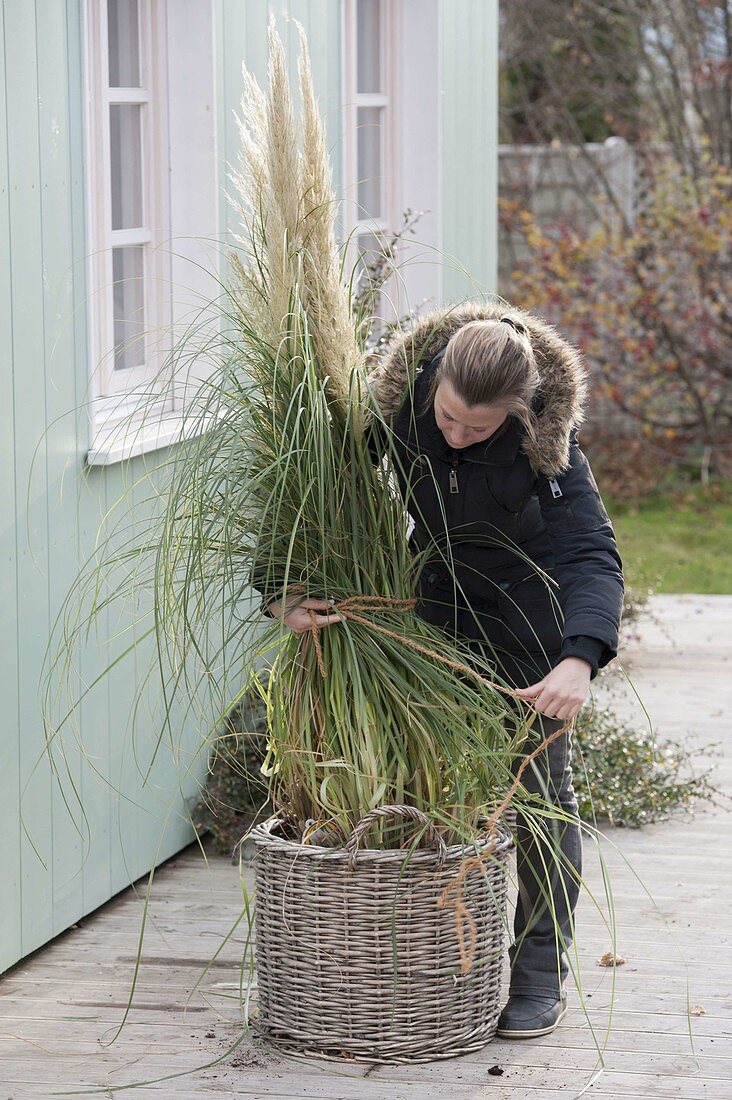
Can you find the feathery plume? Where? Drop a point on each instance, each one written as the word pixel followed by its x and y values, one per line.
pixel 268 203
pixel 325 296
pixel 287 205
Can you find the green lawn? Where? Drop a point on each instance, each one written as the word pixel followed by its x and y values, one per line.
pixel 678 544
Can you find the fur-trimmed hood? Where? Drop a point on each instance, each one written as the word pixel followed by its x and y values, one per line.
pixel 558 403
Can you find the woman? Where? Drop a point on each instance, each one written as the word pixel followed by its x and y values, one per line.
pixel 484 405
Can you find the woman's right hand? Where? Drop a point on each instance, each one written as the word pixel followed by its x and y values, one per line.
pixel 297 617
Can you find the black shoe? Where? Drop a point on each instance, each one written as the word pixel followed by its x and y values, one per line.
pixel 526 1017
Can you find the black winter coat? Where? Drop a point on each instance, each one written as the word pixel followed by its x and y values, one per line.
pixel 525 559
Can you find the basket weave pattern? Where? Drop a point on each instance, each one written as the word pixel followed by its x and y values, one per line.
pixel 354 955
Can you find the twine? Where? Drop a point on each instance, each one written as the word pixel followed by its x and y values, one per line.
pixel 453 894
pixel 351 607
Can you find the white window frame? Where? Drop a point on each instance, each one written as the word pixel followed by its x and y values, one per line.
pixel 117 396
pixel 355 223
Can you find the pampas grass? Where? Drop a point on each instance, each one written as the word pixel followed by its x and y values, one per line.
pixel 292 488
pixel 285 199
pixel 362 715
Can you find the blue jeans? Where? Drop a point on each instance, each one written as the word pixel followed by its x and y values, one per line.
pixel 549 866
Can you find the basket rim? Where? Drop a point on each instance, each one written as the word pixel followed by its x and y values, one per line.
pixel 264 836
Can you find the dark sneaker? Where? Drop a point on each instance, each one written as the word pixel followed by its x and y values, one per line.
pixel 527 1017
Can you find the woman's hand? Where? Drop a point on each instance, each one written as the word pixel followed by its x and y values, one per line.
pixel 295 615
pixel 562 693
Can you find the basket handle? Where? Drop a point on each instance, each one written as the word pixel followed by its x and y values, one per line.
pixel 394 811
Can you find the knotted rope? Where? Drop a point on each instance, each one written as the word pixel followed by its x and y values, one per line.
pixel 453 895
pixel 352 608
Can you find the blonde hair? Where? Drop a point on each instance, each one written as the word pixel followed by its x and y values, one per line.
pixel 488 362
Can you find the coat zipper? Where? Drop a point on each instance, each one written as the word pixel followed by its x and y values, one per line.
pixel 454 487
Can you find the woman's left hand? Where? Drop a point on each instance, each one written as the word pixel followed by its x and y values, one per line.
pixel 562 693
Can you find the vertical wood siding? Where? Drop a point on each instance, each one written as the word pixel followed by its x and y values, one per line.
pixel 60 858
pixel 9 739
pixel 469 146
pixel 27 398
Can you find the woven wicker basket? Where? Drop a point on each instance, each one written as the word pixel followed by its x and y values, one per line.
pixel 354 956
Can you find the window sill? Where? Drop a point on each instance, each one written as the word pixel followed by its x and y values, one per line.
pixel 121 441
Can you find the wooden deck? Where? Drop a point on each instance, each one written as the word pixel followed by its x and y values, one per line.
pixel 672 887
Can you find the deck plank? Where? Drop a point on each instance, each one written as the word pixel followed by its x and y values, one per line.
pixel 60 1008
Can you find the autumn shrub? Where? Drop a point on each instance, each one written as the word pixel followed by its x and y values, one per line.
pixel 648 304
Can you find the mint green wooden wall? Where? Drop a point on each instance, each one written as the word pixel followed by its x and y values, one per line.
pixel 469 147
pixel 56 866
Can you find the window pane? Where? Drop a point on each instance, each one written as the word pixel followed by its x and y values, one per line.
pixel 369 121
pixel 129 308
pixel 368 46
pixel 124 44
pixel 126 165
